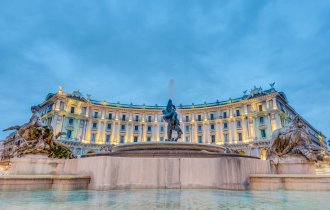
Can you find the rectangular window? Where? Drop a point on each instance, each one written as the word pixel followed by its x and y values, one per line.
pixel 213 138
pixel 68 134
pixel 225 136
pixel 70 121
pixel 199 117
pixel 212 126
pixel 148 138
pixel 122 139
pixel 261 120
pixel 93 137
pixel 72 110
pixel 238 113
pixel 149 128
pixel 123 118
pixel 212 116
pixel 260 108
pixel 61 106
pixel 96 114
pixel 238 124
pixel 135 139
pixel 94 125
pixel 83 110
pixel 263 133
pixel 137 118
pixel 187 118
pixel 109 126
pixel 200 139
pixel 240 138
pixel 110 116
pixel 107 139
pixel 199 128
pixel 149 118
pixel 187 139
pixel 161 129
pixel 187 128
pixel 136 128
pixel 224 114
pixel 122 127
pixel 225 125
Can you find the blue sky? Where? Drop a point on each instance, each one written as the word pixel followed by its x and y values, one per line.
pixel 128 51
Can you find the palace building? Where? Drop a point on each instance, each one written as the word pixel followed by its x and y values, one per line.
pixel 244 124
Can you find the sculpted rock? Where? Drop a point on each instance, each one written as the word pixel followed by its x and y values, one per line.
pixel 35 137
pixel 293 141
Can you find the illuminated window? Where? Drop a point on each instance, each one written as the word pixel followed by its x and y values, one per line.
pixel 260 108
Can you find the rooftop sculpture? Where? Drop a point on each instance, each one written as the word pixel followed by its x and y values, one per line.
pixel 173 123
pixel 35 137
pixel 293 140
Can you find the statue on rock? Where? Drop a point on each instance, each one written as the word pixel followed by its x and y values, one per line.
pixel 173 123
pixel 293 140
pixel 35 137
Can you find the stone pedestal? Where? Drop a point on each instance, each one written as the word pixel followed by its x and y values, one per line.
pixel 292 165
pixel 35 164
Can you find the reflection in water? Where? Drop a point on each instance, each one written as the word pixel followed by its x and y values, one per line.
pixel 163 199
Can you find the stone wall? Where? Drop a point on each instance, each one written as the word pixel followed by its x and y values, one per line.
pixel 129 172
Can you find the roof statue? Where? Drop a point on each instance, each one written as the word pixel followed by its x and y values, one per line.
pixel 35 137
pixel 171 117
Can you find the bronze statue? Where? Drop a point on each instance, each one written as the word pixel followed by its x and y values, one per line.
pixel 173 123
pixel 293 139
pixel 37 138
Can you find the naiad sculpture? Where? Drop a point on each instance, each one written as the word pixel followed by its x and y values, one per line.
pixel 293 139
pixel 35 137
pixel 173 123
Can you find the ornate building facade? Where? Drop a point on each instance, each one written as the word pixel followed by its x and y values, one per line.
pixel 244 124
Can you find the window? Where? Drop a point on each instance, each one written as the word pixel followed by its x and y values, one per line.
pixel 224 114
pixel 240 138
pixel 199 128
pixel 261 120
pixel 213 138
pixel 187 128
pixel 200 139
pixel 225 136
pixel 68 134
pixel 72 110
pixel 93 137
pixel 109 126
pixel 94 125
pixel 122 127
pixel 107 139
pixel 238 124
pixel 135 139
pixel 149 128
pixel 123 117
pixel 212 116
pixel 161 129
pixel 136 128
pixel 225 125
pixel 122 139
pixel 161 138
pixel 199 117
pixel 212 126
pixel 61 106
pixel 137 118
pixel 110 116
pixel 263 133
pixel 96 114
pixel 149 118
pixel 148 138
pixel 83 110
pixel 187 139
pixel 70 121
pixel 260 108
pixel 238 113
pixel 187 118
